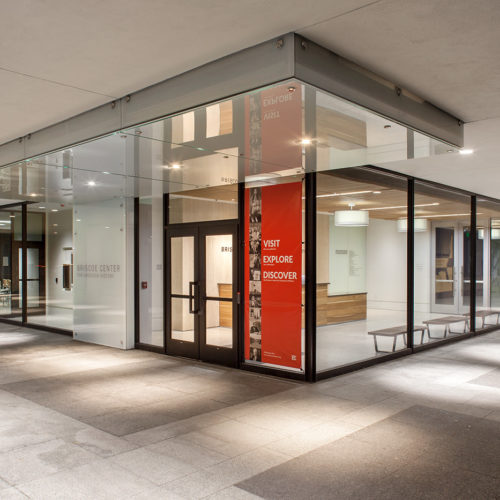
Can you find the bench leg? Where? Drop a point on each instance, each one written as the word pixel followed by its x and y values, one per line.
pixel 394 343
pixel 375 342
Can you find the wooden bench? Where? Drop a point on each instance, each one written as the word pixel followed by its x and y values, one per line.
pixel 484 313
pixel 446 321
pixel 394 332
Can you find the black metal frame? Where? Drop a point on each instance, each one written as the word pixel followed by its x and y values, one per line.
pixel 311 374
pixel 24 265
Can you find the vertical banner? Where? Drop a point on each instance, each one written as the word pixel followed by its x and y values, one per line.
pixel 273 259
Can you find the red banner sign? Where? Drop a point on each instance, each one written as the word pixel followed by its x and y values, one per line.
pixel 273 261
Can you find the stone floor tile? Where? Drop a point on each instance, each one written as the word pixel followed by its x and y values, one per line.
pixel 162 432
pixel 188 452
pixel 98 480
pixel 156 467
pixel 36 461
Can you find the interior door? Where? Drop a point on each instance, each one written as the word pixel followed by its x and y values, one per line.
pixel 451 268
pixel 201 292
pixel 445 269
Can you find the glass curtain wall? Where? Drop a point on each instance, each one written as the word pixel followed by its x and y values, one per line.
pixel 50 265
pixel 487 264
pixel 361 266
pixel 11 265
pixel 442 263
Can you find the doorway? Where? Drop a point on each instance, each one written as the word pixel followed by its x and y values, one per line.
pixel 451 253
pixel 202 292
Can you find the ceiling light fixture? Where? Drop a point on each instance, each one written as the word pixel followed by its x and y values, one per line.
pixel 401 206
pixel 305 142
pixel 351 218
pixel 54 210
pixel 419 225
pixel 342 194
pixel 176 165
pixel 466 151
pixel 91 183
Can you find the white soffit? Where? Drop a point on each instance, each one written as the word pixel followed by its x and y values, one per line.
pixel 61 57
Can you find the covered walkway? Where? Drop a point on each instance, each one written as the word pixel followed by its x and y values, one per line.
pixel 85 421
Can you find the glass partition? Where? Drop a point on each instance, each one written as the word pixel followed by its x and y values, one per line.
pixel 150 222
pixel 11 263
pixel 487 264
pixel 442 262
pixel 361 266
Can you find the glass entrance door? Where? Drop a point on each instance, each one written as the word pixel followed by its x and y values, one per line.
pixel 201 308
pixel 450 268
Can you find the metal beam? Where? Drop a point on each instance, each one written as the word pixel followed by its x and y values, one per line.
pixel 282 58
pixel 328 71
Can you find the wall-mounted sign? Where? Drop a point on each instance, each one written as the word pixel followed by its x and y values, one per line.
pixel 273 259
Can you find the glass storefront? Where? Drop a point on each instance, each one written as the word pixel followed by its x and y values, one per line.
pixel 192 235
pixel 442 233
pixel 361 266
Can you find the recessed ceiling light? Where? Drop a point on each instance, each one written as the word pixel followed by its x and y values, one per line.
pixel 106 173
pixel 306 142
pixel 40 208
pixel 54 210
pixel 377 192
pixel 176 165
pixel 91 183
pixel 107 227
pixel 466 151
pixel 78 220
pixel 33 194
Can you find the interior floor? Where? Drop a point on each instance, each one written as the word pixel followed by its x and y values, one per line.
pixel 86 421
pixel 346 343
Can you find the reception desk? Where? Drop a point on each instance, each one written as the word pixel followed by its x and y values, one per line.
pixel 225 308
pixel 332 309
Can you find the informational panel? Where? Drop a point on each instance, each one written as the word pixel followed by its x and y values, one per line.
pixel 99 273
pixel 273 258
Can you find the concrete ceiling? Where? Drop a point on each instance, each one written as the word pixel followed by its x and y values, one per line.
pixel 61 57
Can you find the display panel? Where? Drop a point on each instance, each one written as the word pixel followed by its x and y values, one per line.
pixel 273 261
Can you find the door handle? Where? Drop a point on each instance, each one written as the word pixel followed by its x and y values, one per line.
pixel 193 297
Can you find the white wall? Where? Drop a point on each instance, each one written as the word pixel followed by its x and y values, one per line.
pixel 386 265
pixel 347 259
pixel 101 296
pixel 423 271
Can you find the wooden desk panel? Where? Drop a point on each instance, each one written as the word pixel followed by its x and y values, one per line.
pixel 335 309
pixel 225 308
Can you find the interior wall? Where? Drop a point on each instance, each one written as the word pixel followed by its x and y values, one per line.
pixel 322 251
pixel 348 259
pixel 198 209
pixel 59 248
pixel 386 265
pixel 219 270
pixel 422 271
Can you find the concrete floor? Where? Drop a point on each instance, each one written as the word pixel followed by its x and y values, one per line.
pixel 84 421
